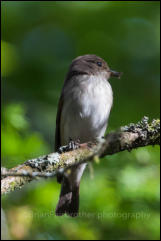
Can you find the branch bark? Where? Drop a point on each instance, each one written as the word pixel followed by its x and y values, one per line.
pixel 127 138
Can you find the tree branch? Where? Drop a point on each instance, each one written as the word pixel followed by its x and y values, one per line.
pixel 127 138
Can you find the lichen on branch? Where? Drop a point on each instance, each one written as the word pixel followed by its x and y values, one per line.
pixel 127 138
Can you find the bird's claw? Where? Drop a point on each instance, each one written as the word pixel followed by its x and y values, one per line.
pixel 73 145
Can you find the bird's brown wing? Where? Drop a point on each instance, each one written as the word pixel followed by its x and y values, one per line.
pixel 58 119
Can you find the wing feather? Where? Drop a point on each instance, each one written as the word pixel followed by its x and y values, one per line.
pixel 58 120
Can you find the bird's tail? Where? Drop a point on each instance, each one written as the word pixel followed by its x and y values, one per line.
pixel 69 199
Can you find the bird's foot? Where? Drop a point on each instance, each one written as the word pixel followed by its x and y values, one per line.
pixel 73 145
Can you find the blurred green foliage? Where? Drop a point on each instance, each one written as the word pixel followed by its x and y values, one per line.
pixel 39 40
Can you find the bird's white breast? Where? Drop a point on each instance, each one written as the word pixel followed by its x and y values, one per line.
pixel 86 108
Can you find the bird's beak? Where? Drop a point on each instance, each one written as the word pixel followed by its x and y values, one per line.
pixel 115 73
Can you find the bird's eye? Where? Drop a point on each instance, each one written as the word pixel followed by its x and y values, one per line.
pixel 99 64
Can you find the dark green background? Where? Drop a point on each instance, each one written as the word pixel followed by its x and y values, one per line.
pixel 39 41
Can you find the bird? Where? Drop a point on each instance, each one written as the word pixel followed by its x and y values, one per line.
pixel 83 111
